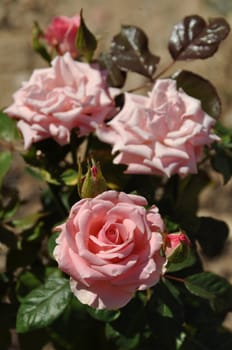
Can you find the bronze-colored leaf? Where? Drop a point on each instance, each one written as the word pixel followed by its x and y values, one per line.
pixel 193 38
pixel 129 50
pixel 115 76
pixel 200 88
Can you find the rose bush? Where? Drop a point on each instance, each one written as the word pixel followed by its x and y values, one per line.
pixel 61 34
pixel 110 246
pixel 163 133
pixel 55 100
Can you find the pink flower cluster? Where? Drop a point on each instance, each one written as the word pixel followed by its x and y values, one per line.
pixel 163 133
pixel 110 246
pixel 61 34
pixel 55 100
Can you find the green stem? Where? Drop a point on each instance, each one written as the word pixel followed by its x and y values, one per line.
pixel 73 145
pixel 164 70
pixel 178 279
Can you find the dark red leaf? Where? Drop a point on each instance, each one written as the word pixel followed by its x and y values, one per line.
pixel 193 38
pixel 115 76
pixel 129 50
pixel 200 88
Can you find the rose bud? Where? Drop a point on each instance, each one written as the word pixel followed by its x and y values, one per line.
pixel 61 34
pixel 93 182
pixel 177 247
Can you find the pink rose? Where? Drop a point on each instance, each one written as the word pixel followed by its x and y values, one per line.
pixel 55 100
pixel 163 133
pixel 61 34
pixel 110 246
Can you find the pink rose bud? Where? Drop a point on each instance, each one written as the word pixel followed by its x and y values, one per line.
pixel 61 34
pixel 93 183
pixel 177 247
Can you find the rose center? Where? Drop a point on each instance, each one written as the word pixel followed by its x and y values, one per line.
pixel 113 235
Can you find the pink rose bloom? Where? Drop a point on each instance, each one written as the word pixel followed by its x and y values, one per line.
pixel 163 133
pixel 110 246
pixel 55 100
pixel 61 34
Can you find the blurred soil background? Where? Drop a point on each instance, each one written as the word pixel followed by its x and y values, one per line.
pixel 104 18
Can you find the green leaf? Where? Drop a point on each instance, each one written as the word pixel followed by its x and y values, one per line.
pixel 69 177
pixel 224 133
pixel 5 163
pixel 86 42
pixel 180 199
pixel 165 314
pixel 42 174
pixel 212 287
pixel 10 204
pixel 104 315
pixel 131 320
pixel 8 129
pixel 43 305
pixel 129 50
pixel 193 38
pixel 121 341
pixel 166 301
pixel 189 191
pixel 71 331
pixel 190 261
pixel 52 243
pixel 222 161
pixel 25 283
pixel 27 222
pixel 207 339
pixel 201 89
